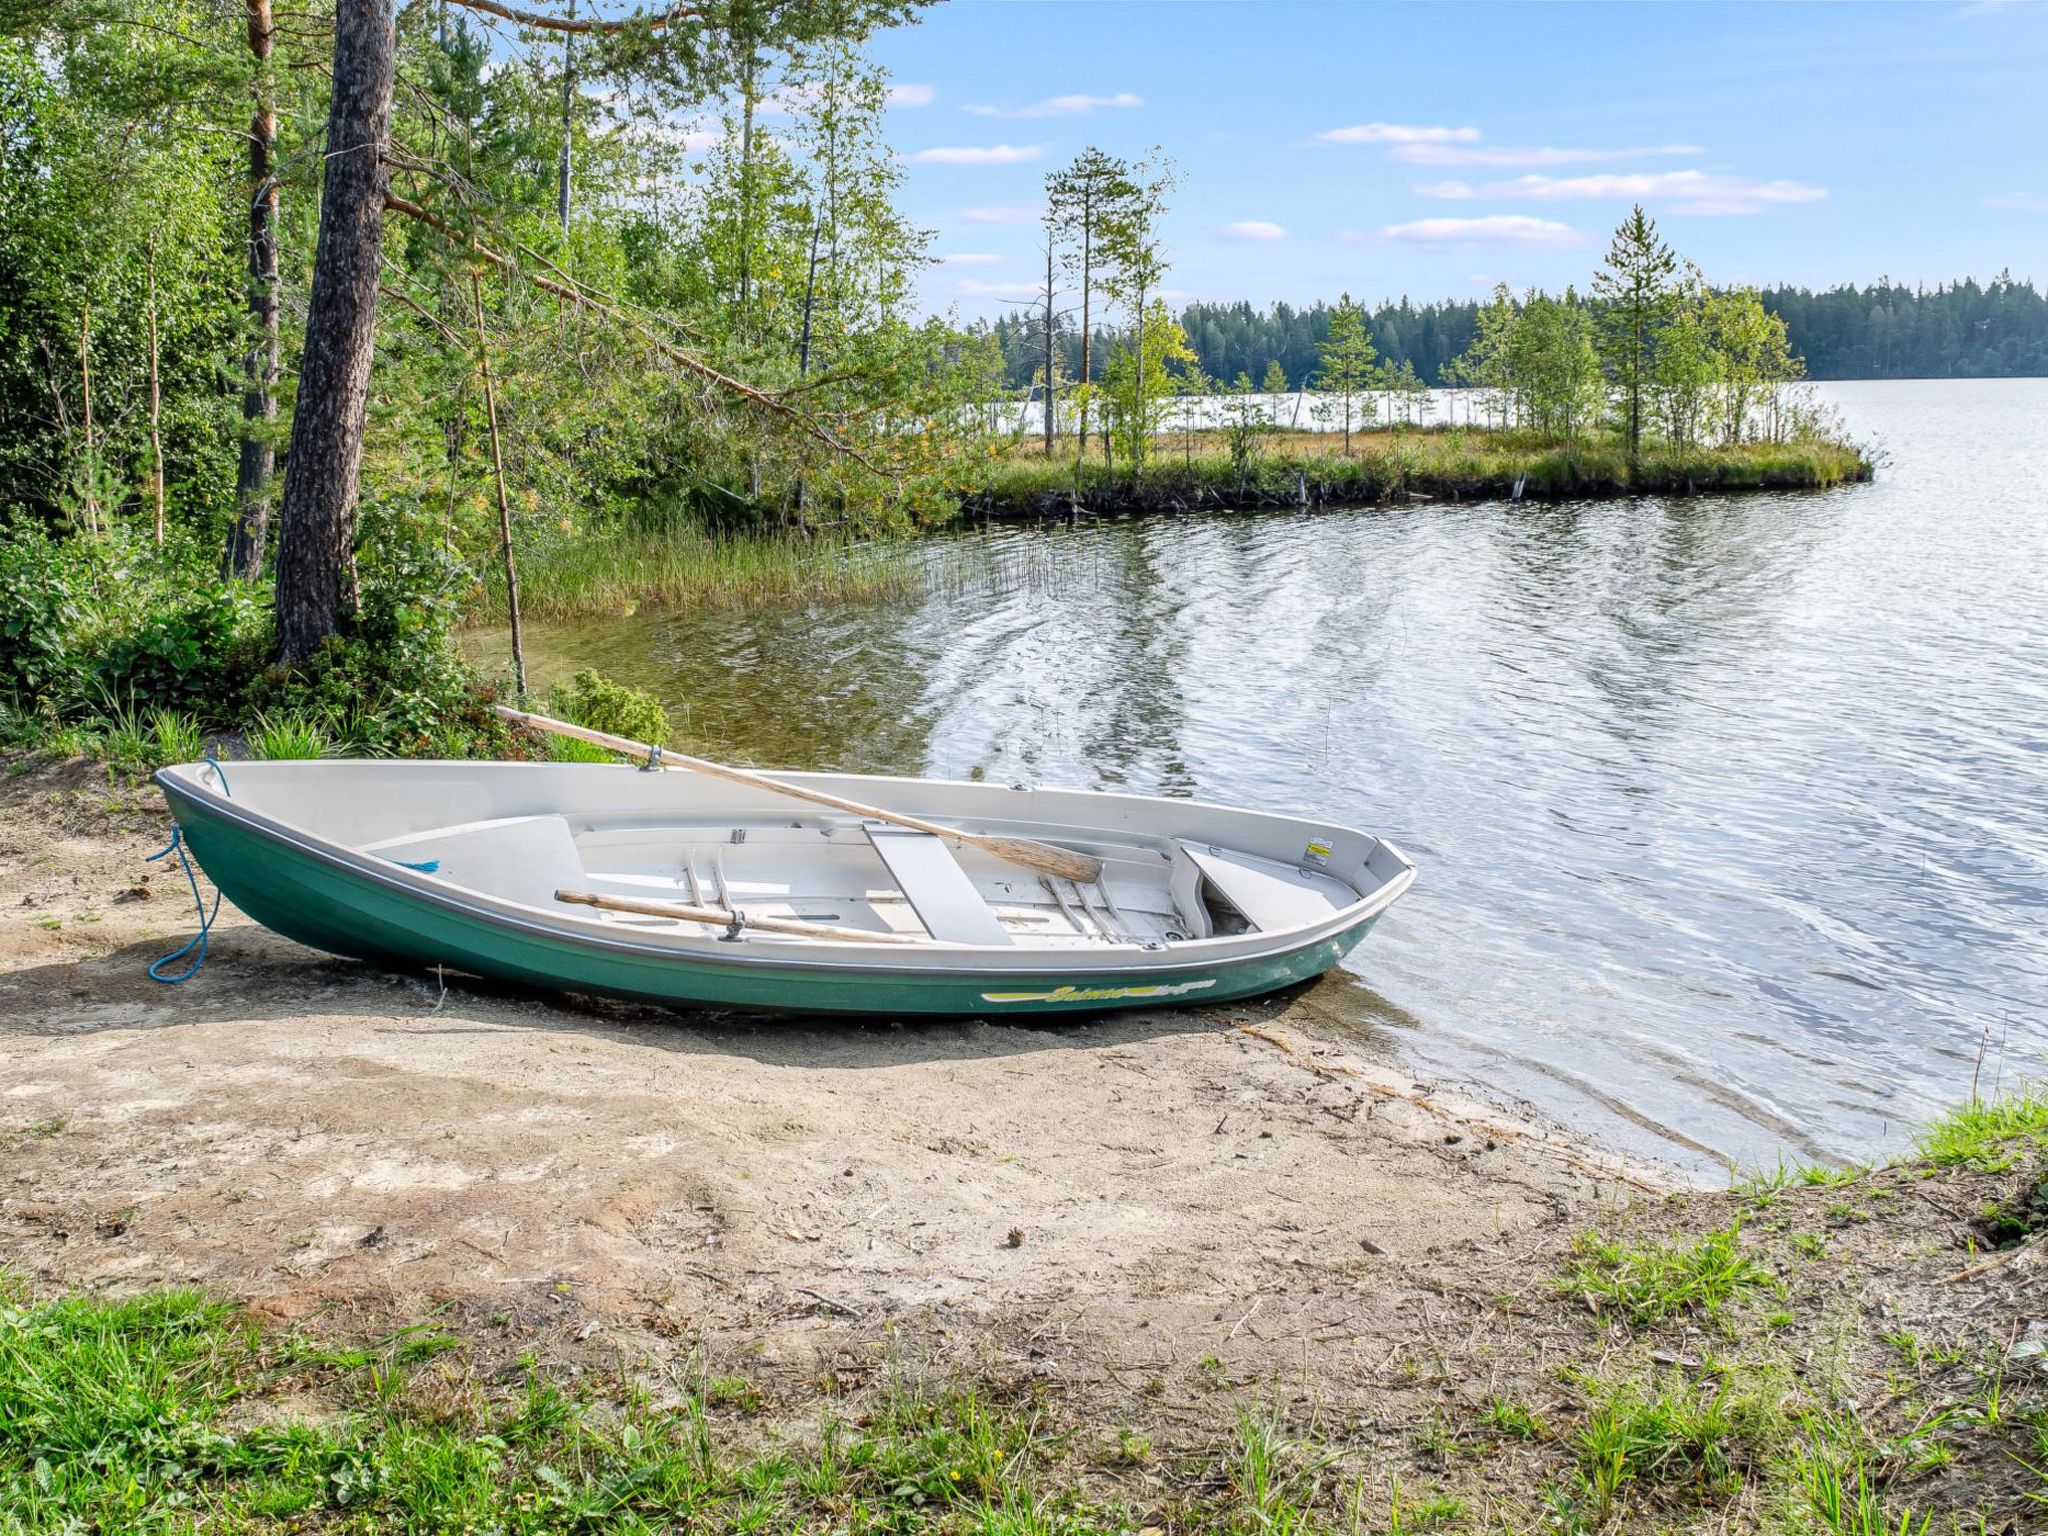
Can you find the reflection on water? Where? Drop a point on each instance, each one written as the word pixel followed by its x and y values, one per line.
pixel 1730 812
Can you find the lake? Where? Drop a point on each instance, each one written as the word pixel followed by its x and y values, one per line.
pixel 1732 813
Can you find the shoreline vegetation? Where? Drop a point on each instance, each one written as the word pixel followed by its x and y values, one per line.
pixel 1814 1352
pixel 678 563
pixel 1305 470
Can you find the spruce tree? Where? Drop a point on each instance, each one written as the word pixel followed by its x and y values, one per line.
pixel 1346 355
pixel 1635 290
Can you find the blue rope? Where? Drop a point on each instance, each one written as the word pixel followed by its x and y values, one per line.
pixel 177 846
pixel 425 866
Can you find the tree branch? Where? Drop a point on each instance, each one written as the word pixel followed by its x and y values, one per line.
pixel 542 23
pixel 569 292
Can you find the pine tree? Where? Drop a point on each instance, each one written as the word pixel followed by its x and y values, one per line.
pixel 1275 382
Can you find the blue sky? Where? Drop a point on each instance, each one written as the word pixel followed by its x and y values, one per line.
pixel 1435 149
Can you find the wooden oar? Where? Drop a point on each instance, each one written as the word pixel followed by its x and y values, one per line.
pixel 1031 854
pixel 790 925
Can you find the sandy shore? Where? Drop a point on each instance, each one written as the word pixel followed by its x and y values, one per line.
pixel 291 1129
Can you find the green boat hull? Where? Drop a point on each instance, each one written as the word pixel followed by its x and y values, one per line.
pixel 327 905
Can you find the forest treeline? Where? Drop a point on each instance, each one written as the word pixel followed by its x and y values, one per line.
pixel 1883 331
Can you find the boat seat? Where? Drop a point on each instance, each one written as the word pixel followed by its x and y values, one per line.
pixel 516 858
pixel 937 888
pixel 1271 895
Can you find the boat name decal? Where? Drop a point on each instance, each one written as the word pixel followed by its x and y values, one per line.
pixel 1069 993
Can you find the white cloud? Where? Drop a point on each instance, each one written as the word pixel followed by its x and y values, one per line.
pixel 1252 229
pixel 970 259
pixel 1529 154
pixel 2018 202
pixel 1396 133
pixel 1002 213
pixel 1496 228
pixel 1688 191
pixel 979 154
pixel 1453 190
pixel 911 95
pixel 975 288
pixel 1058 106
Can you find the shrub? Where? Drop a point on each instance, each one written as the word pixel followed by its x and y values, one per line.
pixel 590 700
pixel 40 588
pixel 197 656
pixel 418 699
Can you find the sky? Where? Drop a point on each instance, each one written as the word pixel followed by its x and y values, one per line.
pixel 1433 150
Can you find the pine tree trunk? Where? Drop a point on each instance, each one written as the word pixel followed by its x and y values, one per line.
pixel 323 473
pixel 251 531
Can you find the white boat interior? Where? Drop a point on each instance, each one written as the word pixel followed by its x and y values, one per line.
pixel 1173 872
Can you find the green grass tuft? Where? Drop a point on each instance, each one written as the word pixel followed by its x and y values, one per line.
pixel 1652 1283
pixel 1988 1135
pixel 277 738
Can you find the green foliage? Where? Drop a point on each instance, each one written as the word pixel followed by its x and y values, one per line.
pixel 590 700
pixel 1138 384
pixel 113 621
pixel 194 654
pixel 1651 1283
pixel 41 586
pixel 1512 1419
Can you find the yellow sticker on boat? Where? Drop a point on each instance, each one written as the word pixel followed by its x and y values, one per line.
pixel 1316 853
pixel 1073 994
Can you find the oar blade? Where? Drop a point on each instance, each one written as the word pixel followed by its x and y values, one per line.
pixel 1061 863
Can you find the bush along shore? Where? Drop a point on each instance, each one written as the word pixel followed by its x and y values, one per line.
pixel 1307 470
pixel 1814 1352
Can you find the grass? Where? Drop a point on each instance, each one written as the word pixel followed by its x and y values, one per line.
pixel 289 737
pixel 1988 1135
pixel 680 565
pixel 1648 1284
pixel 1696 1436
pixel 159 1414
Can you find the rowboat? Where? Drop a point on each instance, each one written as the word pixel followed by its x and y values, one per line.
pixel 740 891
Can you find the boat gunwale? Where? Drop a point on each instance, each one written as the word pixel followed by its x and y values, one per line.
pixel 179 785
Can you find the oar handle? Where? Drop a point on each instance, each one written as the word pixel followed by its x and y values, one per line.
pixel 1028 852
